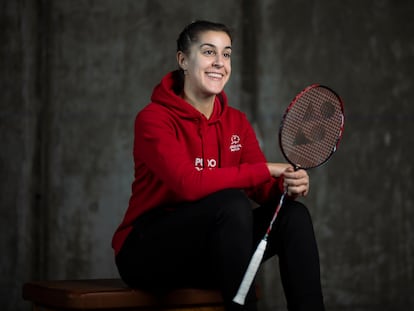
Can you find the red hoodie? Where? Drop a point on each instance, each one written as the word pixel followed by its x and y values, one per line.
pixel 180 155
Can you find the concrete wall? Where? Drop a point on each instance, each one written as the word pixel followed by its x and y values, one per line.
pixel 75 72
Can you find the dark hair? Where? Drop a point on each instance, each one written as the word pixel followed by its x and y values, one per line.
pixel 192 31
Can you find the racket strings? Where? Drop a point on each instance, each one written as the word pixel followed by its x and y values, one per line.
pixel 312 127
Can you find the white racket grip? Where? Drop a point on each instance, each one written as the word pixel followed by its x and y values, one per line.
pixel 250 273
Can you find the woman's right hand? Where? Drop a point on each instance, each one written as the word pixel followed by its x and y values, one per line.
pixel 296 182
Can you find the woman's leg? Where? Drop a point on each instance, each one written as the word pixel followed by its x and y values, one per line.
pixel 207 243
pixel 293 240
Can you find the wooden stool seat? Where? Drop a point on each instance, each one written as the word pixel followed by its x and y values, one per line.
pixel 113 294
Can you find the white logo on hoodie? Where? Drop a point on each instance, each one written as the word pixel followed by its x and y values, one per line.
pixel 235 143
pixel 199 163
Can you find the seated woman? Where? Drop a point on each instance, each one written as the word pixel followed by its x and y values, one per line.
pixel 198 166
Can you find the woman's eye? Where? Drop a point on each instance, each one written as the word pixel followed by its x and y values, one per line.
pixel 209 52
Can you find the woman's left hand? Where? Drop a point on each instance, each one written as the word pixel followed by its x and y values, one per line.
pixel 296 182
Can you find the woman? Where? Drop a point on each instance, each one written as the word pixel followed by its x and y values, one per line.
pixel 198 166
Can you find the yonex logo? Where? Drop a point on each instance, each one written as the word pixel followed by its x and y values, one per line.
pixel 313 128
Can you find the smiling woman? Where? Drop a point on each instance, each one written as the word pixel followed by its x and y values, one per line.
pixel 207 68
pixel 198 166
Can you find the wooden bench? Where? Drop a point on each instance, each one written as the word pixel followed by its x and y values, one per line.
pixel 114 295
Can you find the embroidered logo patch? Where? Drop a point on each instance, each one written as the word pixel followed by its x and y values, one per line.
pixel 235 144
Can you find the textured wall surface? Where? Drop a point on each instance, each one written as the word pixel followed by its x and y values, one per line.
pixel 74 74
pixel 361 201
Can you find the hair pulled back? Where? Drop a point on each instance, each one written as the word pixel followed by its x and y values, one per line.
pixel 191 33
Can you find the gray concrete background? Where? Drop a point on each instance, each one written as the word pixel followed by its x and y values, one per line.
pixel 75 72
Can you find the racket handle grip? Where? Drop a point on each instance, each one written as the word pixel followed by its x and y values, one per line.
pixel 250 273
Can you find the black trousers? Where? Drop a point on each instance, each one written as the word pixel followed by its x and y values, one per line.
pixel 209 243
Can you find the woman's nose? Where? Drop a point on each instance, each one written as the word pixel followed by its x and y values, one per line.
pixel 218 62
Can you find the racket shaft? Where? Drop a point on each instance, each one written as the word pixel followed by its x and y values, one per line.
pixel 250 273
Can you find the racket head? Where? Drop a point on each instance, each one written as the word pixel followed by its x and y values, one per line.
pixel 312 127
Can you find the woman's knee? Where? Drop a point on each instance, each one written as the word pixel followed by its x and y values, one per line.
pixel 297 213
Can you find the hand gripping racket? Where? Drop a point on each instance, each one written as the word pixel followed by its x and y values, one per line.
pixel 309 134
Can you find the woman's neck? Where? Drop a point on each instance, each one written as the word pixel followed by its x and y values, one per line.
pixel 203 104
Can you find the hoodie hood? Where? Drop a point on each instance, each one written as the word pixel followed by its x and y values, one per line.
pixel 165 95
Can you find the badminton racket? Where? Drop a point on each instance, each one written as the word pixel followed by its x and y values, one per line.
pixel 309 134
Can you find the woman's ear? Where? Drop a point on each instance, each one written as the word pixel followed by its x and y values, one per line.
pixel 182 60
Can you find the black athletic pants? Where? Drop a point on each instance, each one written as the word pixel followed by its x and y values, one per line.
pixel 209 243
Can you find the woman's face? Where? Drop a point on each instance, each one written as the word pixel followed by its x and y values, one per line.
pixel 207 66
